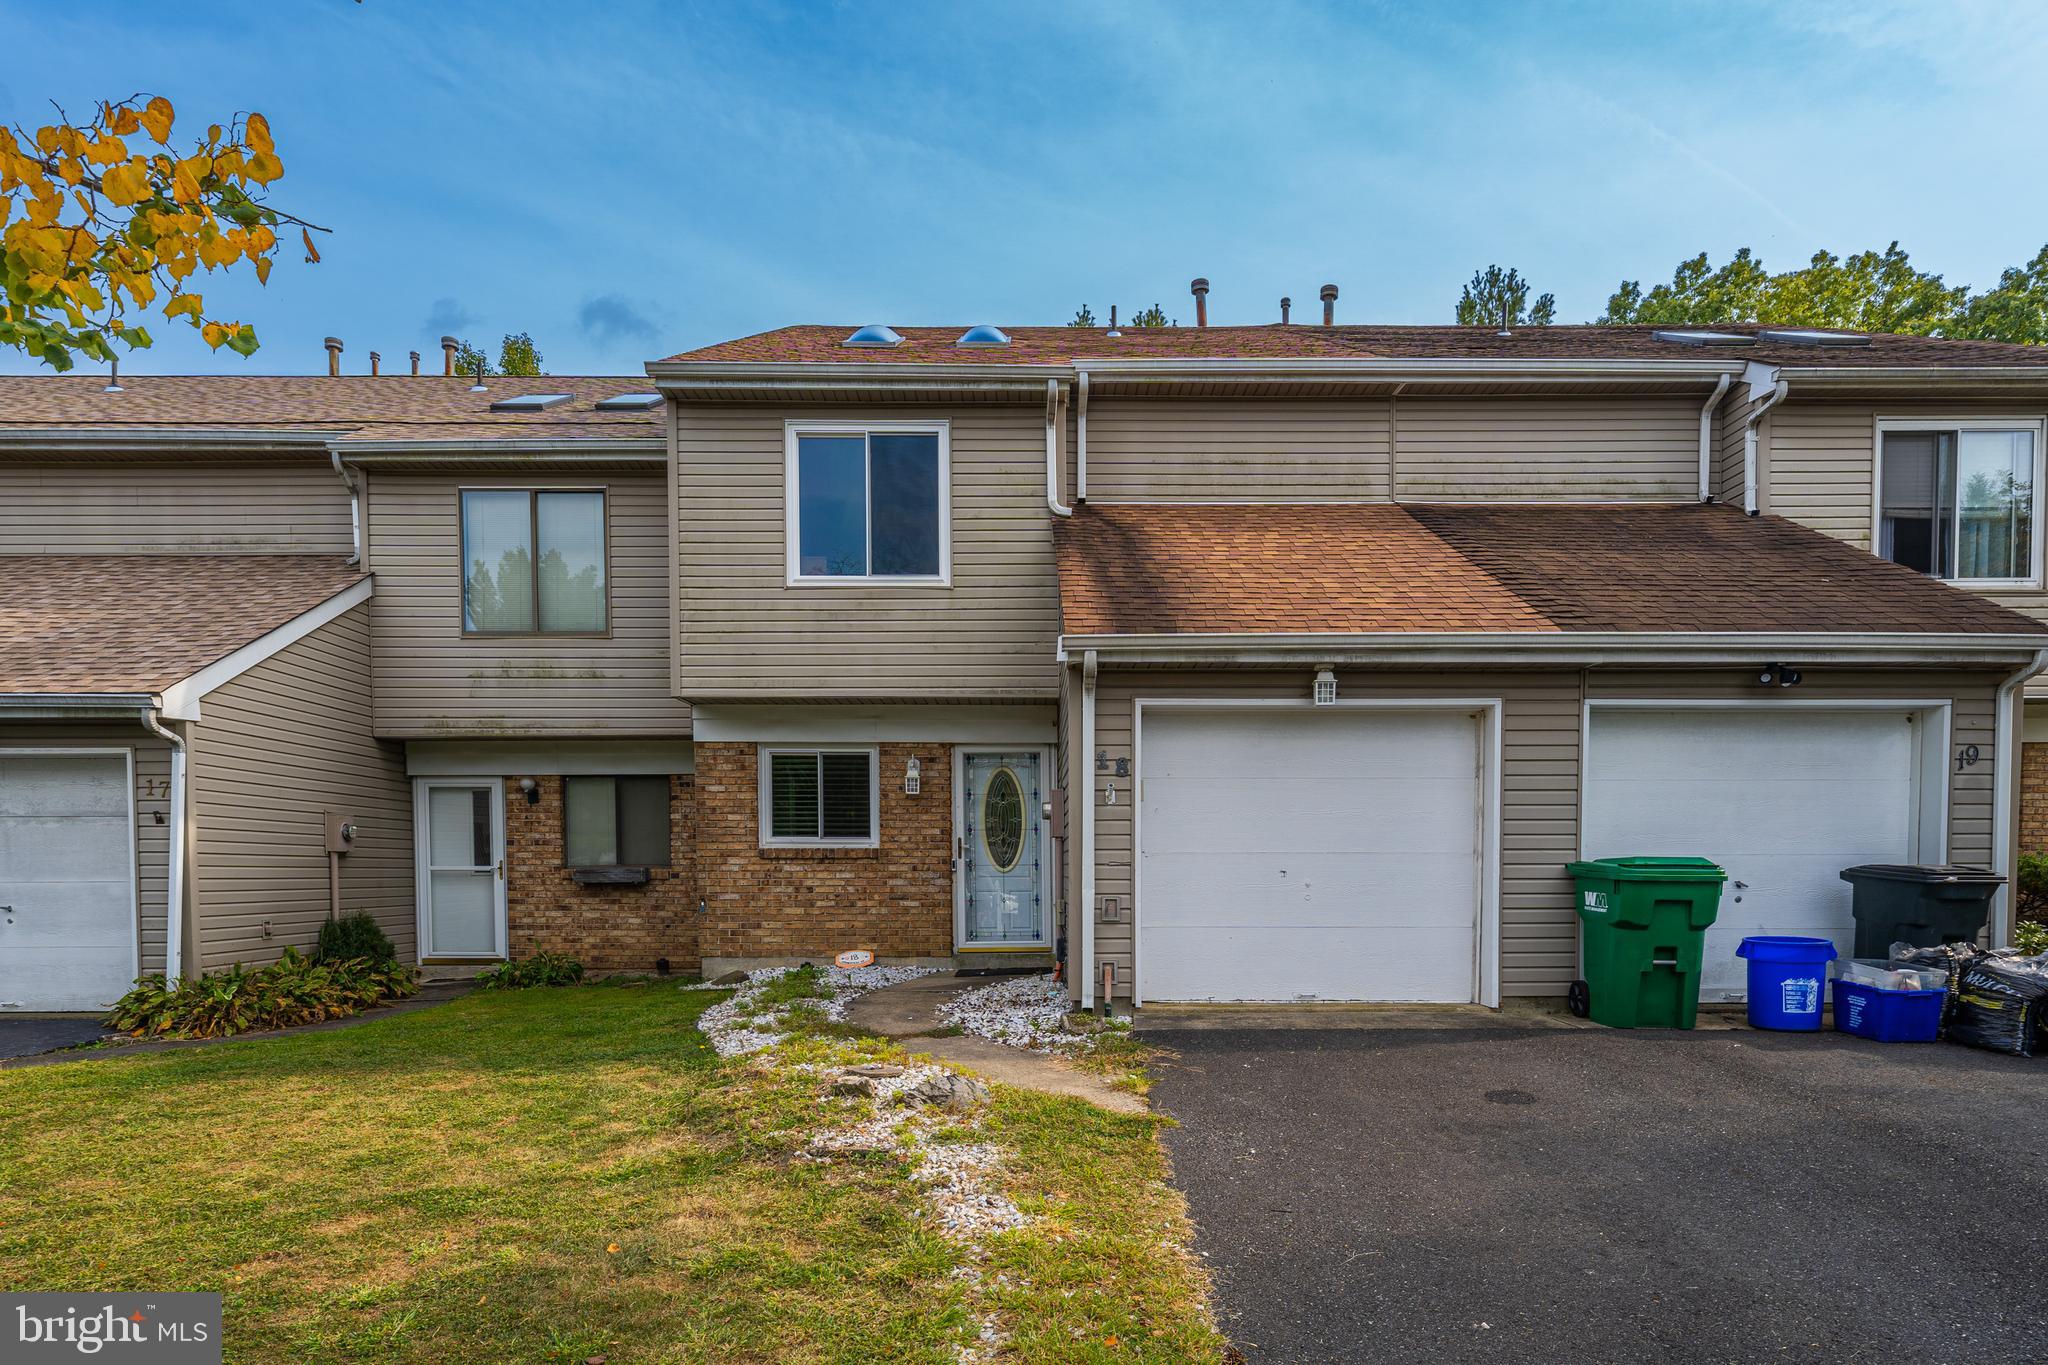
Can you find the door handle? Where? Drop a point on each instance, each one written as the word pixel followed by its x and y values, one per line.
pixel 501 869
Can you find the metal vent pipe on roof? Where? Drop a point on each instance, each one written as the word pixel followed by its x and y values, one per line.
pixel 448 345
pixel 1329 305
pixel 1200 289
pixel 375 361
pixel 333 345
pixel 415 363
pixel 1285 304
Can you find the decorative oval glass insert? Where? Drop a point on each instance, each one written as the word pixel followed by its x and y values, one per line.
pixel 1002 819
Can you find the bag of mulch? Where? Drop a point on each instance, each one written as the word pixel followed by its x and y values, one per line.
pixel 1998 1003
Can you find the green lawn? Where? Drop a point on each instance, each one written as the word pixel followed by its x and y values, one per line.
pixel 551 1175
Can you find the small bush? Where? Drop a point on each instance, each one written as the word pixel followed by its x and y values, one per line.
pixel 352 936
pixel 293 990
pixel 542 969
pixel 2031 937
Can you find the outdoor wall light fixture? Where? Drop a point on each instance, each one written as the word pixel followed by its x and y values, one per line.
pixel 532 790
pixel 913 777
pixel 1326 687
pixel 1778 675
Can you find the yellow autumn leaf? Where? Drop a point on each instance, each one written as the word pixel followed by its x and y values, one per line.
pixel 264 168
pixel 46 139
pixel 214 334
pixel 184 188
pixel 70 170
pixel 257 131
pixel 123 121
pixel 613 1248
pixel 312 252
pixel 263 270
pixel 127 183
pixel 108 151
pixel 183 304
pixel 156 117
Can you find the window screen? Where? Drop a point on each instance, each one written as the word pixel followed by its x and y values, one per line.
pixel 827 797
pixel 615 822
pixel 508 588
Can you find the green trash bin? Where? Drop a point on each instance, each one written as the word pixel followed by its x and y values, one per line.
pixel 1645 922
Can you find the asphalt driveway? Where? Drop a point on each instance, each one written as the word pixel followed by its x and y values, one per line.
pixel 1528 1194
pixel 25 1035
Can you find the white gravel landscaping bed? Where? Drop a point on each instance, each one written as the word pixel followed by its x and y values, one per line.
pixel 735 1028
pixel 1022 1011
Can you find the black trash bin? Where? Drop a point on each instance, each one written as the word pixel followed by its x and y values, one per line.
pixel 1924 905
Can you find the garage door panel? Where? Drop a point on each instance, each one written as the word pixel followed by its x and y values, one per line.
pixel 66 867
pixel 42 849
pixel 1295 854
pixel 1783 801
pixel 79 784
pixel 1406 965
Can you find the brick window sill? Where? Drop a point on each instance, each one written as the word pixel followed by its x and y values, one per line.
pixel 814 855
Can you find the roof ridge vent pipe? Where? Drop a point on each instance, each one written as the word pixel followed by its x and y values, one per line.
pixel 448 345
pixel 113 375
pixel 1200 289
pixel 1285 304
pixel 415 364
pixel 174 898
pixel 333 345
pixel 1052 450
pixel 1707 437
pixel 1329 305
pixel 1776 396
pixel 375 362
pixel 1507 320
pixel 479 386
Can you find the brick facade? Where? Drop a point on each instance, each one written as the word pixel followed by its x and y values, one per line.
pixel 607 928
pixel 2034 798
pixel 896 900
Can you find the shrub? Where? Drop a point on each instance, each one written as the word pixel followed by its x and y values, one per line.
pixel 542 969
pixel 353 935
pixel 2031 938
pixel 2031 887
pixel 293 990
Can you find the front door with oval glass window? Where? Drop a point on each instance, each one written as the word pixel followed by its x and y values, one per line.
pixel 1002 847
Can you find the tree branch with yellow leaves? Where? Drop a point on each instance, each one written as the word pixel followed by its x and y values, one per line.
pixel 94 230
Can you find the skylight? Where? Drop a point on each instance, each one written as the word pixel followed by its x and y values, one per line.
pixel 629 402
pixel 1806 336
pixel 983 335
pixel 875 334
pixel 530 402
pixel 1705 338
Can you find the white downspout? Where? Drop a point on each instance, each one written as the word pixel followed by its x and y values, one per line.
pixel 1707 438
pixel 1052 450
pixel 355 507
pixel 1777 396
pixel 2009 718
pixel 1085 789
pixel 174 900
pixel 1081 437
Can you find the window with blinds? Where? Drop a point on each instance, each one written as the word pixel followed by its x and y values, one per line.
pixel 1958 503
pixel 819 796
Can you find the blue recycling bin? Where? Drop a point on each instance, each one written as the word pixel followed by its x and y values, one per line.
pixel 1788 980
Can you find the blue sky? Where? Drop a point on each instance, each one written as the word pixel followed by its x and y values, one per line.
pixel 629 180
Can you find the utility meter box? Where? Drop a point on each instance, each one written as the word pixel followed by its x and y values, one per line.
pixel 341 832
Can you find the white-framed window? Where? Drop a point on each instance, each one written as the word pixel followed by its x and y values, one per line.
pixel 820 798
pixel 1960 499
pixel 868 502
pixel 533 561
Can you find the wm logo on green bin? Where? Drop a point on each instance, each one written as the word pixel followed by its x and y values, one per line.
pixel 1596 902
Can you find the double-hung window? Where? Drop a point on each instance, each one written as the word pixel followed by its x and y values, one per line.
pixel 819 797
pixel 1957 500
pixel 615 822
pixel 533 562
pixel 868 503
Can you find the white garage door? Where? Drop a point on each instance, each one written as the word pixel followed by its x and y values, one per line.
pixel 1784 800
pixel 67 881
pixel 1292 854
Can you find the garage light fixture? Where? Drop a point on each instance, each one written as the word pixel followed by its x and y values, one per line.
pixel 1778 675
pixel 1326 687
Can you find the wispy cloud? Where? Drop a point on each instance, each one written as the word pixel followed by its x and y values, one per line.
pixel 611 319
pixel 448 315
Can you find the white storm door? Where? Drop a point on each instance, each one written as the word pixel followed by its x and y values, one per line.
pixel 1325 854
pixel 1003 871
pixel 67 879
pixel 461 839
pixel 1782 799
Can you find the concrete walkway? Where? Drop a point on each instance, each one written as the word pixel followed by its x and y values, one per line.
pixel 909 1014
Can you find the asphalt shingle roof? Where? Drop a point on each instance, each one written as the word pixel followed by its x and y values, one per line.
pixel 1370 568
pixel 139 623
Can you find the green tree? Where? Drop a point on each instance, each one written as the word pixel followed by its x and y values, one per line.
pixel 1496 297
pixel 1870 291
pixel 1155 316
pixel 1698 293
pixel 516 355
pixel 470 360
pixel 1084 318
pixel 2015 309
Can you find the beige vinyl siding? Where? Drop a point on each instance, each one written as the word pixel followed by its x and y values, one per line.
pixel 1195 450
pixel 273 751
pixel 1548 449
pixel 1541 729
pixel 152 808
pixel 743 632
pixel 433 682
pixel 294 506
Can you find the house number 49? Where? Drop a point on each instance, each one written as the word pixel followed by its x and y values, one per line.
pixel 1966 756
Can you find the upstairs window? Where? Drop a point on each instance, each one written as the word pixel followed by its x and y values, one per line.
pixel 615 822
pixel 533 562
pixel 1958 501
pixel 822 797
pixel 868 504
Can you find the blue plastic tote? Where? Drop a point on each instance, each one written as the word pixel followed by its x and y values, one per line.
pixel 1788 980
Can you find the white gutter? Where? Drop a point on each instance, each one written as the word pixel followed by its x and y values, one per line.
pixel 174 902
pixel 1081 437
pixel 609 448
pixel 2009 717
pixel 1756 376
pixel 355 506
pixel 1052 450
pixel 1707 437
pixel 1084 767
pixel 158 438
